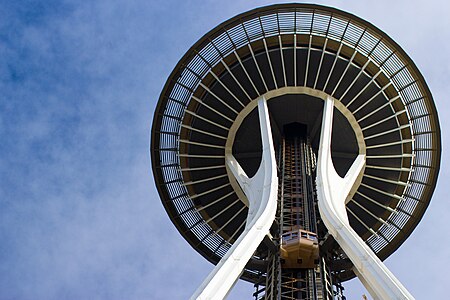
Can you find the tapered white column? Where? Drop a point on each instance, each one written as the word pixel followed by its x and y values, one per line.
pixel 261 192
pixel 332 191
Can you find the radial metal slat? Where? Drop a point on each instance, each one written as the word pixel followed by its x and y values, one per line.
pixel 349 64
pixel 235 80
pixel 206 120
pixel 366 86
pixel 246 73
pixel 374 96
pixel 386 180
pixel 295 59
pixel 200 156
pixel 270 64
pixel 389 168
pixel 379 108
pixel 203 132
pixel 382 192
pixel 320 62
pixel 400 142
pixel 226 88
pixel 218 98
pixel 201 144
pixel 360 72
pixel 282 60
pixel 212 109
pixel 307 60
pixel 387 132
pixel 332 67
pixel 390 156
pixel 201 168
pixel 384 120
pixel 376 202
pixel 210 190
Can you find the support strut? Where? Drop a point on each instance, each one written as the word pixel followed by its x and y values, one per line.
pixel 332 191
pixel 261 192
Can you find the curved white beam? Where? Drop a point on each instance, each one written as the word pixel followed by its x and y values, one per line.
pixel 261 191
pixel 332 191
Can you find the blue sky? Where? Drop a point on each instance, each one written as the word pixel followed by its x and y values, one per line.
pixel 80 217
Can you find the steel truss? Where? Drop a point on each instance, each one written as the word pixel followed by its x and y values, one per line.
pixel 297 209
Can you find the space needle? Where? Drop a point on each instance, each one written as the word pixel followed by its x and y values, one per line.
pixel 296 146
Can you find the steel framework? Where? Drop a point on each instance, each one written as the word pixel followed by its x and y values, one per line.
pixel 291 61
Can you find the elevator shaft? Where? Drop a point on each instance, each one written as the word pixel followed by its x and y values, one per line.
pixel 298 216
pixel 302 273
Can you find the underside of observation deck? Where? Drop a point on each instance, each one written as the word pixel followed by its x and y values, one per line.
pixel 294 54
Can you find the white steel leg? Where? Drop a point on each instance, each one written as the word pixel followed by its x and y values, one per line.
pixel 261 191
pixel 332 191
